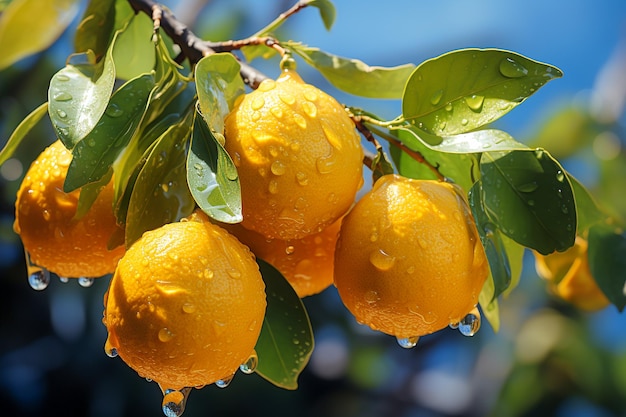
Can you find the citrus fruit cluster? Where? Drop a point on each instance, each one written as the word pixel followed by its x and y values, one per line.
pixel 569 277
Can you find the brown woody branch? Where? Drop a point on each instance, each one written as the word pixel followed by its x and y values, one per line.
pixel 192 47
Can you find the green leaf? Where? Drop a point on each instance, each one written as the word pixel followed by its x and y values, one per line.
pixel 489 304
pixel 463 90
pixel 160 194
pixel 212 176
pixel 381 165
pixel 472 142
pixel 529 197
pixel 588 211
pixel 515 253
pixel 134 51
pixel 21 131
pixel 94 155
pixel 607 261
pixel 354 76
pixel 78 96
pixel 89 193
pixel 96 28
pixel 219 84
pixel 327 11
pixel 286 341
pixel 30 26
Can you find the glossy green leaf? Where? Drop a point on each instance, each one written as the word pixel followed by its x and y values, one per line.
pixel 381 165
pixel 134 51
pixel 89 193
pixel 219 84
pixel 21 131
pixel 160 194
pixel 286 341
pixel 460 168
pixel 327 11
pixel 30 26
pixel 96 28
pixel 588 211
pixel 530 199
pixel 94 155
pixel 463 90
pixel 472 142
pixel 515 253
pixel 354 76
pixel 491 238
pixel 489 304
pixel 607 261
pixel 78 96
pixel 212 176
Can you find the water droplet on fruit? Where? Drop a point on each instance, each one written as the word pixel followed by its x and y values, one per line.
pixel 309 109
pixel 267 85
pixel 174 401
pixel 371 297
pixel 287 98
pixel 249 366
pixel 470 324
pixel 165 335
pixel 189 308
pixel 290 249
pixel 39 279
pixel 273 187
pixel 408 342
pixel 436 97
pixel 257 103
pixel 475 102
pixel 277 112
pixel 224 382
pixel 302 178
pixel 85 282
pixel 278 168
pixel 326 164
pixel 62 96
pixel 382 260
pixel 512 69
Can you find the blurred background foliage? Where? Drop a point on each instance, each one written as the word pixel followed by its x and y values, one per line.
pixel 547 359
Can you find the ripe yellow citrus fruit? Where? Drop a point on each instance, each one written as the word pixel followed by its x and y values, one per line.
pixel 298 155
pixel 409 260
pixel 307 263
pixel 186 304
pixel 45 220
pixel 570 278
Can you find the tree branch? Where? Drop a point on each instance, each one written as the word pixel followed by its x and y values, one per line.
pixel 192 47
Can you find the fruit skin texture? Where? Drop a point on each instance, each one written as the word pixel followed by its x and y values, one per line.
pixel 570 278
pixel 298 155
pixel 409 260
pixel 306 263
pixel 186 304
pixel 44 219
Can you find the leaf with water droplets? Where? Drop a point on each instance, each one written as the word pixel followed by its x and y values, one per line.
pixel 219 84
pixel 78 95
pixel 21 131
pixel 94 155
pixel 463 90
pixel 160 194
pixel 212 176
pixel 30 26
pixel 607 261
pixel 286 341
pixel 529 199
pixel 356 77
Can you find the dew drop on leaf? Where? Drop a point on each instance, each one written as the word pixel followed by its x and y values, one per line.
pixel 436 97
pixel 62 96
pixel 475 102
pixel 512 69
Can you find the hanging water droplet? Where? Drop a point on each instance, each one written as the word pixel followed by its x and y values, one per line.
pixel 436 97
pixel 560 177
pixel 408 342
pixel 62 96
pixel 109 349
pixel 475 102
pixel 470 324
pixel 85 282
pixel 512 69
pixel 250 365
pixel 39 280
pixel 64 280
pixel 454 325
pixel 224 382
pixel 174 401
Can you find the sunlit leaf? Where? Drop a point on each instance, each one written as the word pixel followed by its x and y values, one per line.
pixel 78 96
pixel 515 253
pixel 212 176
pixel 327 11
pixel 96 28
pixel 381 165
pixel 607 261
pixel 21 131
pixel 472 142
pixel 588 211
pixel 94 155
pixel 489 304
pixel 463 90
pixel 134 52
pixel 160 194
pixel 30 26
pixel 286 341
pixel 356 77
pixel 530 199
pixel 219 84
pixel 89 193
